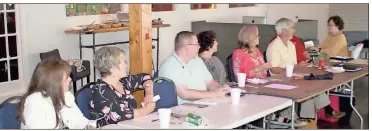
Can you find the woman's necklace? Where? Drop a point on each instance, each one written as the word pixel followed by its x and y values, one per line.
pixel 254 55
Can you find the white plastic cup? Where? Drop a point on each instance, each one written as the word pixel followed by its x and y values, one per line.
pixel 164 117
pixel 241 79
pixel 289 70
pixel 235 95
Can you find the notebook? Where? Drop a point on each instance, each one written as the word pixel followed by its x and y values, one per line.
pixel 340 58
pixel 352 68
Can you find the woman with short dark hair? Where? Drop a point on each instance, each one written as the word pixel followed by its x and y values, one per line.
pixel 335 44
pixel 208 46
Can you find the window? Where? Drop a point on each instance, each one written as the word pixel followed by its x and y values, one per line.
pixel 8 44
pixel 162 7
pixel 91 9
pixel 203 6
pixel 241 5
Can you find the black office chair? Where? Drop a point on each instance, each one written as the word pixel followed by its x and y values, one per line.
pixel 75 75
pixel 230 70
pixel 265 58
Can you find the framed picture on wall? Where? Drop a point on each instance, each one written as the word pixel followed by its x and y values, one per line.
pixel 241 5
pixel 162 7
pixel 91 9
pixel 94 9
pixel 81 9
pixel 70 9
pixel 203 6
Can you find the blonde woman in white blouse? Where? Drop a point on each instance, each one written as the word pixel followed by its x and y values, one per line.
pixel 48 104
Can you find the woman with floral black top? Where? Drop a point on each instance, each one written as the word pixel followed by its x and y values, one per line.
pixel 112 95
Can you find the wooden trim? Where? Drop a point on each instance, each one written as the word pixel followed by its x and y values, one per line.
pixel 162 7
pixel 70 31
pixel 241 5
pixel 202 6
pixel 140 42
pixel 233 5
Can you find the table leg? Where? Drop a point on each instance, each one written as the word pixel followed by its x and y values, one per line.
pixel 263 123
pixel 80 47
pixel 293 115
pixel 343 87
pixel 366 55
pixel 94 50
pixel 352 106
pixel 316 114
pixel 313 61
pixel 81 54
pixel 269 120
pixel 157 49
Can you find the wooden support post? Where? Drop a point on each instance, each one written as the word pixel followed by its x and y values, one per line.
pixel 140 42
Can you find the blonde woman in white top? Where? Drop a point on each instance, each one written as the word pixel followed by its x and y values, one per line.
pixel 48 104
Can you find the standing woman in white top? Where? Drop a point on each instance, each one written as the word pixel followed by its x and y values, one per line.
pixel 48 104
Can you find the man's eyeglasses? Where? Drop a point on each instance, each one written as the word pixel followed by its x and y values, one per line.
pixel 194 44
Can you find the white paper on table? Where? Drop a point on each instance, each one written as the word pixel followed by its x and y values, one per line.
pixel 280 86
pixel 308 44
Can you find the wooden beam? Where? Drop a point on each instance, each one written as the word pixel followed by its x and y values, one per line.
pixel 140 42
pixel 140 39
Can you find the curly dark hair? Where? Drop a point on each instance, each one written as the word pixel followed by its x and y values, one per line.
pixel 338 21
pixel 206 40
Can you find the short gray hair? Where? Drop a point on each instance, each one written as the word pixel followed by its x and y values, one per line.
pixel 106 58
pixel 281 24
pixel 181 37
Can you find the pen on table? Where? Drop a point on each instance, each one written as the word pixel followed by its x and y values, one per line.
pixel 154 120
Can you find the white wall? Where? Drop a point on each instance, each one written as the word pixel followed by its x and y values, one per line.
pixel 355 16
pixel 318 12
pixel 43 27
pixel 43 31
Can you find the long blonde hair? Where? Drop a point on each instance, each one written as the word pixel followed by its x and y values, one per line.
pixel 246 36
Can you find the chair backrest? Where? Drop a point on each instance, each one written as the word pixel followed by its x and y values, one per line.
pixel 50 54
pixel 8 114
pixel 230 70
pixel 356 52
pixel 265 59
pixel 83 98
pixel 166 89
pixel 156 74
